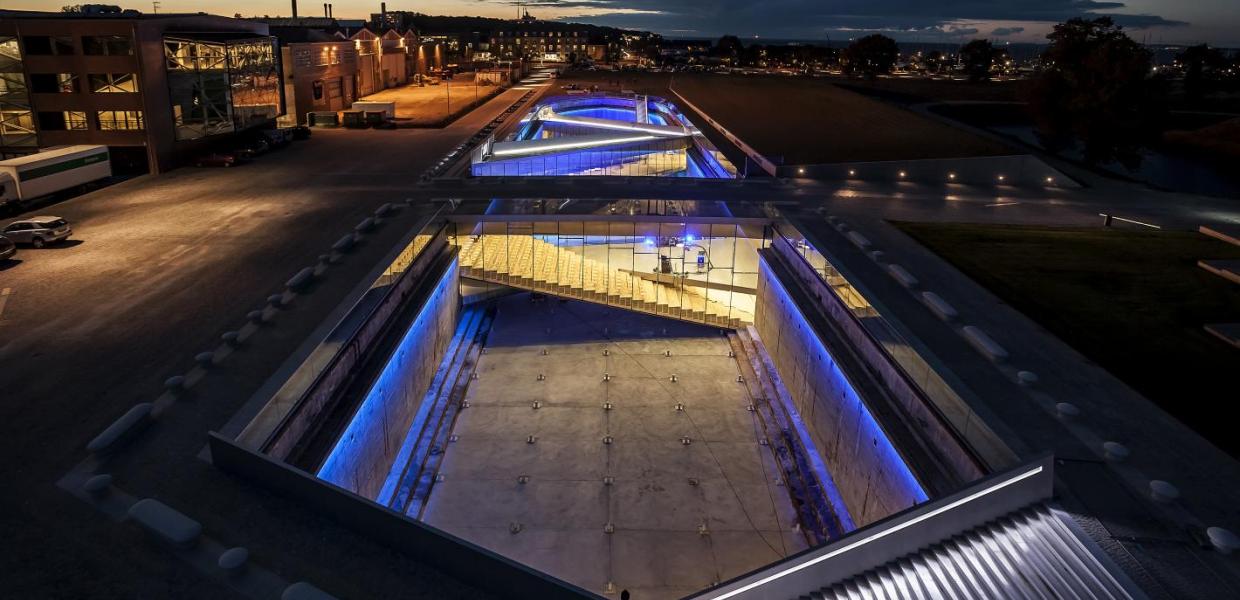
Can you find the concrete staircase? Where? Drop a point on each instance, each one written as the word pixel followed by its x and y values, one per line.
pixel 529 263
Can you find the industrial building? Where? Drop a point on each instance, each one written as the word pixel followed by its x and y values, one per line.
pixel 156 89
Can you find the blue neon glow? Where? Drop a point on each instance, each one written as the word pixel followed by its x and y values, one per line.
pixel 689 238
pixel 649 241
pixel 893 463
pixel 356 453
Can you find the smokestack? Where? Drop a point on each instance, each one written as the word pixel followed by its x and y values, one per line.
pixel 383 14
pixel 294 9
pixel 329 11
pixel 325 9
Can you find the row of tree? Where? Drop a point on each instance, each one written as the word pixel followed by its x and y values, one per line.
pixel 1095 88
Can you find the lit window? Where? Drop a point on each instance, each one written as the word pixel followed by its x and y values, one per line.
pixel 107 45
pixel 113 82
pixel 120 120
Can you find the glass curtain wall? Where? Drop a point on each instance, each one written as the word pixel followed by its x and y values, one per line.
pixel 703 272
pixel 219 88
pixel 17 127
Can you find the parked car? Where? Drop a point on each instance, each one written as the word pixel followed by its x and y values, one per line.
pixel 38 231
pixel 7 248
pixel 301 132
pixel 278 138
pixel 256 146
pixel 219 159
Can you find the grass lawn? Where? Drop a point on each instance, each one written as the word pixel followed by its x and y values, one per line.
pixel 1132 301
pixel 812 121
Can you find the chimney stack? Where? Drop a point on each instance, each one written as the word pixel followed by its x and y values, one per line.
pixel 329 11
pixel 324 9
pixel 382 14
pixel 294 9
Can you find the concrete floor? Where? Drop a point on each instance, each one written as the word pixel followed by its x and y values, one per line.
pixel 424 104
pixel 663 490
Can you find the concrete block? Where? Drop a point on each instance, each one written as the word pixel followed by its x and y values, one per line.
pixel 1162 491
pixel 234 560
pixel 98 485
pixel 985 344
pixel 383 209
pixel 344 244
pixel 366 225
pixel 205 359
pixel 304 591
pixel 175 383
pixel 939 306
pixel 276 300
pixel 1027 378
pixel 232 338
pixel 301 279
pixel 1067 410
pixel 165 522
pixel 254 316
pixel 1115 451
pixel 121 429
pixel 901 275
pixel 858 240
pixel 1223 540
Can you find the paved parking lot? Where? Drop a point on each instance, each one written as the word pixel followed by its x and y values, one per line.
pixel 157 269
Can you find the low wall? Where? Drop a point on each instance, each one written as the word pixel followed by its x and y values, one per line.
pixel 458 558
pixel 297 407
pixel 872 477
pixel 1021 170
pixel 363 455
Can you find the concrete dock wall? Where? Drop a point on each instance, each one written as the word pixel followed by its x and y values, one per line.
pixel 362 456
pixel 871 475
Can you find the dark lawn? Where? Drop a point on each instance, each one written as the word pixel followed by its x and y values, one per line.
pixel 1132 301
pixel 813 121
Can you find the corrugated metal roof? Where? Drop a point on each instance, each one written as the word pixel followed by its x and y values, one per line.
pixel 1031 554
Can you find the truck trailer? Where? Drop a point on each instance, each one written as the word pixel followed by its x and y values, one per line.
pixel 28 177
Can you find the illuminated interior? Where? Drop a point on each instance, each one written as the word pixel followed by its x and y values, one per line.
pixel 598 134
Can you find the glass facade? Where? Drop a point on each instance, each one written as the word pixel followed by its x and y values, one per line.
pixel 120 120
pixel 113 83
pixel 17 128
pixel 704 272
pixel 219 87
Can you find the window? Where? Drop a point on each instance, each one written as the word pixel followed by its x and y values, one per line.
pixel 107 45
pixel 113 82
pixel 69 120
pixel 55 83
pixel 318 89
pixel 48 45
pixel 120 120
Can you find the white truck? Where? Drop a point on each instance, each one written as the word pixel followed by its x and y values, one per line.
pixel 50 171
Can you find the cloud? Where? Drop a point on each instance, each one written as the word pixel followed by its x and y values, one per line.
pixel 814 18
pixel 1006 31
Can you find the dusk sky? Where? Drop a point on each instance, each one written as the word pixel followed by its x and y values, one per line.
pixel 1169 21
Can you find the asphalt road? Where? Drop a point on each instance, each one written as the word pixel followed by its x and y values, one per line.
pixel 156 270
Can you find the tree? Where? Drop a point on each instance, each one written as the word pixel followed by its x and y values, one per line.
pixel 978 56
pixel 933 61
pixel 871 55
pixel 1202 66
pixel 1096 89
pixel 728 46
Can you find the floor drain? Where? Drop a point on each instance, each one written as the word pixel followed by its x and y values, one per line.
pixel 609 528
pixel 536 405
pixel 608 440
pixel 607 406
pixel 531 439
pixel 680 406
pixel 685 440
pixel 524 479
